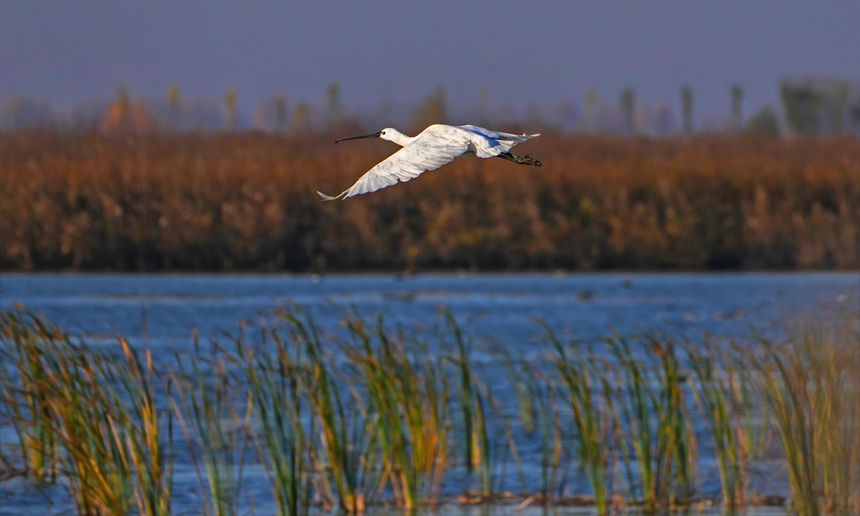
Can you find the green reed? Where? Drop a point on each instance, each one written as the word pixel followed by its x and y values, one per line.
pixel 345 438
pixel 472 402
pixel 589 420
pixel 276 392
pixel 88 424
pixel 215 432
pixel 409 403
pixel 652 403
pixel 25 407
pixel 148 443
pixel 531 411
pixel 96 413
pixel 551 434
pixel 720 398
pixel 810 383
pixel 362 415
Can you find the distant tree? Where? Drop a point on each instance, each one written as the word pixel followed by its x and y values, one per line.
pixel 230 102
pixel 124 117
pixel 280 114
pixel 590 118
pixel 839 107
pixel 13 113
pixel 433 110
pixel 664 122
pixel 123 106
pixel 142 119
pixel 817 105
pixel 854 118
pixel 628 106
pixel 174 105
pixel 764 124
pixel 85 116
pixel 117 118
pixel 334 109
pixel 203 115
pixel 687 109
pixel 22 112
pixel 737 92
pixel 438 108
pixel 800 103
pixel 261 118
pixel 302 118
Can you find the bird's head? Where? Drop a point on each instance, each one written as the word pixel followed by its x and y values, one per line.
pixel 389 133
pixel 393 135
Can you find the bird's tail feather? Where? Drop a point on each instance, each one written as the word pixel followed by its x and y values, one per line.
pixel 519 138
pixel 329 197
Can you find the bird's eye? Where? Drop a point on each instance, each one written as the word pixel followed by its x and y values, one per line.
pixel 383 132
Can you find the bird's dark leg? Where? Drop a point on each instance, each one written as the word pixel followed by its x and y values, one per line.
pixel 520 160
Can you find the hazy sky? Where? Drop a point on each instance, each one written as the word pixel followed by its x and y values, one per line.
pixel 522 51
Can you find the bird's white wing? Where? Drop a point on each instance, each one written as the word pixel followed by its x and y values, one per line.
pixel 488 133
pixel 490 143
pixel 423 154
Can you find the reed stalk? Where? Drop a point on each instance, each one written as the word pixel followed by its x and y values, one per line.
pixel 363 416
pixel 589 418
pixel 96 413
pixel 23 404
pixel 475 436
pixel 214 431
pixel 382 381
pixel 530 403
pixel 148 442
pixel 344 447
pixel 274 386
pixel 810 384
pixel 654 411
pixel 408 397
pixel 716 395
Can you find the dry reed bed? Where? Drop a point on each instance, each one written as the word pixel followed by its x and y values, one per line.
pixel 247 202
pixel 366 415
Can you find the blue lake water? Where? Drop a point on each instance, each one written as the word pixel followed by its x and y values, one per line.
pixel 163 311
pixel 500 306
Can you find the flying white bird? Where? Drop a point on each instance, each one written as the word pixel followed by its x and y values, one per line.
pixel 437 145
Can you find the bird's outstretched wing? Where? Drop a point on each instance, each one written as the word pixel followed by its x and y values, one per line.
pixel 495 135
pixel 417 157
pixel 490 143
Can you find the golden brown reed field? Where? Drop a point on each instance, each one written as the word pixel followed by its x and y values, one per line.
pixel 248 202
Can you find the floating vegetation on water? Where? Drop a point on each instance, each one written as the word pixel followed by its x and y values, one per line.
pixel 367 414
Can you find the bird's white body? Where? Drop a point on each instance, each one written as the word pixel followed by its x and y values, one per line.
pixel 437 145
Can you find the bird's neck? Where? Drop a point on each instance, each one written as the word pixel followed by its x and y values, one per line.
pixel 400 138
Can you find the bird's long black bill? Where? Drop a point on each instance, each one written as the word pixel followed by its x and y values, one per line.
pixel 374 135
